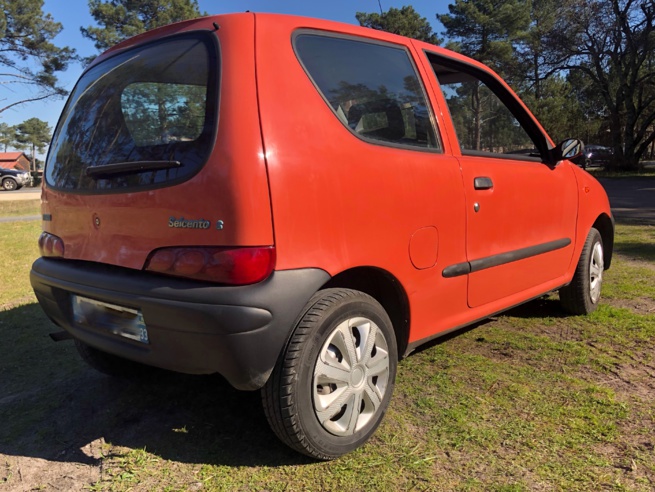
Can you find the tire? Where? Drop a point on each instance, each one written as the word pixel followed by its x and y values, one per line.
pixel 113 365
pixel 582 295
pixel 9 184
pixel 333 382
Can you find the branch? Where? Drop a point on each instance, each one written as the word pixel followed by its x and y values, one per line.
pixel 40 98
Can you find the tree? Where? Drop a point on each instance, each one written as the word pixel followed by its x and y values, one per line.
pixel 27 54
pixel 36 134
pixel 612 42
pixel 8 137
pixel 404 21
pixel 122 19
pixel 485 30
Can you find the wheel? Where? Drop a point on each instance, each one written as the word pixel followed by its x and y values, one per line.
pixel 9 184
pixel 581 296
pixel 332 384
pixel 113 365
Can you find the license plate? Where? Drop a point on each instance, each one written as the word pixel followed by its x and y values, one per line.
pixel 119 320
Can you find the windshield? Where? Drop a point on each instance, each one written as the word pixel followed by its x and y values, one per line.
pixel 145 117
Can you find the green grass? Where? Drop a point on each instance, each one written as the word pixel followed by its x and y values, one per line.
pixel 531 400
pixel 19 208
pixel 18 250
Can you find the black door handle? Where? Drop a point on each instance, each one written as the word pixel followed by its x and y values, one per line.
pixel 483 183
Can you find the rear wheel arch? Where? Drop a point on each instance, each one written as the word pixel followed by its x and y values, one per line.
pixel 385 289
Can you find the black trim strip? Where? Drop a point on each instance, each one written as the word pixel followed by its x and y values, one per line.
pixel 503 258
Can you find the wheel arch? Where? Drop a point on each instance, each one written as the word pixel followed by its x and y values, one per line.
pixel 605 225
pixel 384 288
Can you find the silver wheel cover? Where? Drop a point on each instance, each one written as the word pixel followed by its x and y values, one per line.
pixel 596 266
pixel 351 376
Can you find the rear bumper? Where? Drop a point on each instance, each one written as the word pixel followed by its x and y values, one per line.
pixel 193 327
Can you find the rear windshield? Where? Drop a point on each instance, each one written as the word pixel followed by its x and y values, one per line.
pixel 143 118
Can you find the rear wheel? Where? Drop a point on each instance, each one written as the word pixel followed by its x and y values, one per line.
pixel 331 387
pixel 9 184
pixel 113 365
pixel 581 296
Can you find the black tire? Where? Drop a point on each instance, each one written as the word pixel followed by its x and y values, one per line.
pixel 582 295
pixel 9 184
pixel 113 365
pixel 297 388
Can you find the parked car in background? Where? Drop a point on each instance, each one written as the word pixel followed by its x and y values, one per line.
pixel 297 204
pixel 596 155
pixel 13 179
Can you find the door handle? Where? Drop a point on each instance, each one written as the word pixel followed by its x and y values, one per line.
pixel 483 183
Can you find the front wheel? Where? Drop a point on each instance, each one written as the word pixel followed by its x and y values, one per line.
pixel 581 296
pixel 9 184
pixel 331 386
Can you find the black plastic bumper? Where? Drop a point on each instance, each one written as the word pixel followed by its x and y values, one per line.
pixel 193 327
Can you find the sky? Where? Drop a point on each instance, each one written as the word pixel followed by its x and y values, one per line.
pixel 73 14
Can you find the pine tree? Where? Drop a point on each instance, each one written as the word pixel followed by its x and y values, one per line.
pixel 404 21
pixel 27 54
pixel 121 19
pixel 36 134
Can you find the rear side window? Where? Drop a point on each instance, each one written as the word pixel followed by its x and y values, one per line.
pixel 145 117
pixel 372 88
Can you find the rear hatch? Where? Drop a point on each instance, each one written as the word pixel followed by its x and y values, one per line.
pixel 140 161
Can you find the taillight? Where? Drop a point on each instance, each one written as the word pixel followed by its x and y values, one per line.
pixel 236 266
pixel 51 246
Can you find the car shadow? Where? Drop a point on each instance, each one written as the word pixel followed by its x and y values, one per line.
pixel 53 407
pixel 636 250
pixel 542 307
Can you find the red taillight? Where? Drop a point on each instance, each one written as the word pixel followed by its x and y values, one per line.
pixel 51 246
pixel 236 266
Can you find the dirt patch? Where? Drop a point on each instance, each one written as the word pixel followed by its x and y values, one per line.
pixel 23 474
pixel 640 305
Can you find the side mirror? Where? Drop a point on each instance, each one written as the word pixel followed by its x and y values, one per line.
pixel 569 149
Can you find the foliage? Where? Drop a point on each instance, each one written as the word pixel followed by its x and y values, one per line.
pixel 34 133
pixel 486 29
pixel 613 44
pixel 26 42
pixel 404 21
pixel 8 137
pixel 122 19
pixel 558 110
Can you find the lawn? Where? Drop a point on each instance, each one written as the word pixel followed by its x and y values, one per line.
pixel 530 400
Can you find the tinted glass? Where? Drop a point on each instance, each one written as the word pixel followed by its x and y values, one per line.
pixel 373 89
pixel 154 105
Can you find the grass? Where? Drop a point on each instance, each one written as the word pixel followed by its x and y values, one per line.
pixel 530 400
pixel 19 208
pixel 18 249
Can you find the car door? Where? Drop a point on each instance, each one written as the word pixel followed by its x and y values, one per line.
pixel 520 211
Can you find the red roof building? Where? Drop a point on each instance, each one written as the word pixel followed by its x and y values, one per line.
pixel 14 160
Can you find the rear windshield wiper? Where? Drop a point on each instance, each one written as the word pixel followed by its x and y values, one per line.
pixel 130 167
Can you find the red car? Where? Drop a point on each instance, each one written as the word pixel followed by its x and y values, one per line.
pixel 297 204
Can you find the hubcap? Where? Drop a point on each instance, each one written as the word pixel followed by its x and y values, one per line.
pixel 596 272
pixel 351 376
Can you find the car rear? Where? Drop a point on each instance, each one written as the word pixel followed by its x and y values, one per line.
pixel 157 241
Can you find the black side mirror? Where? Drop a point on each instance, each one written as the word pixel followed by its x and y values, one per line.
pixel 569 149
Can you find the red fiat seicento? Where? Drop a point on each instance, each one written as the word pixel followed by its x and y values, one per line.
pixel 297 204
